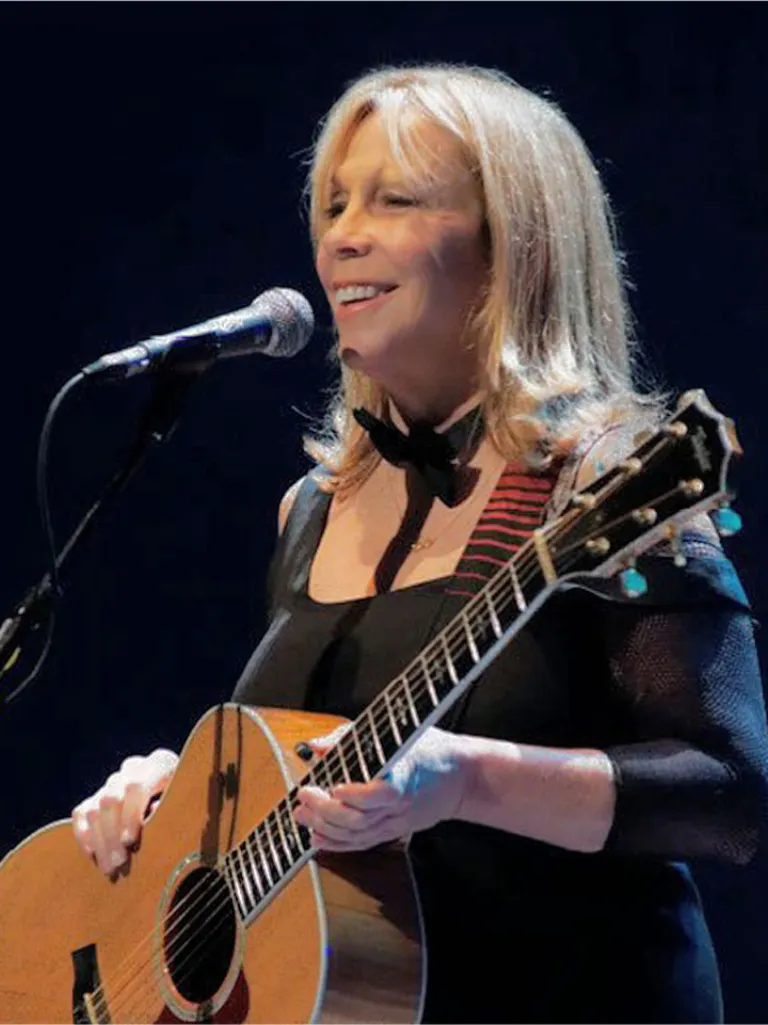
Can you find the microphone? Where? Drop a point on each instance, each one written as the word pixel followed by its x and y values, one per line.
pixel 277 323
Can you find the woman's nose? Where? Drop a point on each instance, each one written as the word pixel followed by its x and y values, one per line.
pixel 349 234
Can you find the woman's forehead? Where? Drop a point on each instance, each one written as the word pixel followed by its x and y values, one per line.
pixel 413 147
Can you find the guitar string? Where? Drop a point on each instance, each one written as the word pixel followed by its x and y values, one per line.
pixel 477 600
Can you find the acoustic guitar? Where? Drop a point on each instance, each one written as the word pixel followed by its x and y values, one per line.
pixel 224 912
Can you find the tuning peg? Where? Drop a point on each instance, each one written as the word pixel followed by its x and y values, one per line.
pixel 676 429
pixel 647 516
pixel 676 545
pixel 598 546
pixel 633 583
pixel 727 521
pixel 631 466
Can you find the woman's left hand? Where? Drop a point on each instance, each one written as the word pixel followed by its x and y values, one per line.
pixel 424 787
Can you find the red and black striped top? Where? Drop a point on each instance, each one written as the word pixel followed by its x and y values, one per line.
pixel 514 510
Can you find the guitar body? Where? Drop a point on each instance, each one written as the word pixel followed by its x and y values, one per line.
pixel 341 941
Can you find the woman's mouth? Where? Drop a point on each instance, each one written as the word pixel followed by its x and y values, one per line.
pixel 350 299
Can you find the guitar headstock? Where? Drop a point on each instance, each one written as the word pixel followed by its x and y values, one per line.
pixel 677 472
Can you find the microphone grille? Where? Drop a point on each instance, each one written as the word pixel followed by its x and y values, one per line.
pixel 292 319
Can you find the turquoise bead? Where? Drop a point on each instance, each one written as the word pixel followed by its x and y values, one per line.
pixel 727 521
pixel 633 583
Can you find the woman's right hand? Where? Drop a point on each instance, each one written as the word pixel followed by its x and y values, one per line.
pixel 109 822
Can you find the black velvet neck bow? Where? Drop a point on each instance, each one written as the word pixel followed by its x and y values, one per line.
pixel 434 456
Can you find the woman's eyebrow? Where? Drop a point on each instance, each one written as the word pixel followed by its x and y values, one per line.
pixel 379 176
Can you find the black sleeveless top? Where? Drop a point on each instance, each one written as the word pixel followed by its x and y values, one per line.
pixel 668 685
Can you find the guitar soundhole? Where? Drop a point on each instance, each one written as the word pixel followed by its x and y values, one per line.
pixel 200 935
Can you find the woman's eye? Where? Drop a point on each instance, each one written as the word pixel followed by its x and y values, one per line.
pixel 399 201
pixel 336 207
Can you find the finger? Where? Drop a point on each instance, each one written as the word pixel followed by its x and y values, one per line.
pixel 322 744
pixel 104 817
pixel 379 793
pixel 325 843
pixel 81 828
pixel 318 810
pixel 137 797
pixel 320 842
pixel 159 767
pixel 110 803
pixel 385 832
pixel 109 854
pixel 319 824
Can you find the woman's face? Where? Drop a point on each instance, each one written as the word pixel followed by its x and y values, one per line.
pixel 403 265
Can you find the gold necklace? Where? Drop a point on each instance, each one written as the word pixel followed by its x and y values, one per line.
pixel 426 542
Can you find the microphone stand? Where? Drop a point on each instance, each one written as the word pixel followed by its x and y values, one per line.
pixel 158 420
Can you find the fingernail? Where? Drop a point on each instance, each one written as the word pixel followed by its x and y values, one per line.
pixel 116 859
pixel 127 836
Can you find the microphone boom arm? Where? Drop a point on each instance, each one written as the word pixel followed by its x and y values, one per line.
pixel 159 419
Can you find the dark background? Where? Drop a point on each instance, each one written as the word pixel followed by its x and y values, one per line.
pixel 152 161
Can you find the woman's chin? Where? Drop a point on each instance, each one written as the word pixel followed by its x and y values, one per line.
pixel 361 358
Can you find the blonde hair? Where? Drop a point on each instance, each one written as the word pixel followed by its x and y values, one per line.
pixel 554 341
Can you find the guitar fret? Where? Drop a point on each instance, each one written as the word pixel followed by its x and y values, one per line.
pixel 423 693
pixel 291 826
pixel 273 849
pixel 343 762
pixel 495 624
pixel 231 875
pixel 392 719
pixel 401 710
pixel 409 696
pixel 470 638
pixel 323 768
pixel 264 861
pixel 255 875
pixel 240 884
pixel 374 733
pixel 517 590
pixel 360 758
pixel 428 677
pixel 244 872
pixel 388 734
pixel 448 660
pixel 285 849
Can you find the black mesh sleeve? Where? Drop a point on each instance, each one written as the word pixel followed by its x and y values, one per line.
pixel 692 780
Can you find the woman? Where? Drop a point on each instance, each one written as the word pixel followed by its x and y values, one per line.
pixel 465 246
